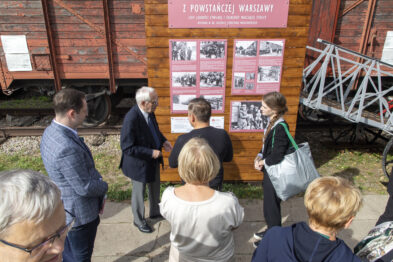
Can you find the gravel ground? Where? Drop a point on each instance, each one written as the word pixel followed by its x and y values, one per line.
pixel 30 145
pixel 361 165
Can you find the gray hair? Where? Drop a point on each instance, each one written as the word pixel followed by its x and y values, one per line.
pixel 26 195
pixel 143 94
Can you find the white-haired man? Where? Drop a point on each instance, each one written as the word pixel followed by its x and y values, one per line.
pixel 141 142
pixel 32 218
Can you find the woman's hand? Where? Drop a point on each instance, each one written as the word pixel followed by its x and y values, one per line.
pixel 258 164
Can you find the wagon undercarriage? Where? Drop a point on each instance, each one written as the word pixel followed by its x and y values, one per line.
pixel 352 86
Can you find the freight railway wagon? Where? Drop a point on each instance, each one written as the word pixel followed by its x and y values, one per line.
pixel 97 46
pixel 363 26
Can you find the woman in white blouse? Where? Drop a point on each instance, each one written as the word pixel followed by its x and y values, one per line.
pixel 201 218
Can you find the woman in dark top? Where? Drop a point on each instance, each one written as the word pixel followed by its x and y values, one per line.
pixel 274 106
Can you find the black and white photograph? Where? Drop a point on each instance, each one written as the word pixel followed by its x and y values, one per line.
pixel 249 86
pixel 246 48
pixel 238 79
pixel 212 49
pixel 180 102
pixel 183 79
pixel 212 79
pixel 246 116
pixel 216 101
pixel 183 51
pixel 269 74
pixel 271 48
pixel 250 76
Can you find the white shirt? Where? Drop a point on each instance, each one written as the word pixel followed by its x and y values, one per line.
pixel 69 128
pixel 202 231
pixel 145 115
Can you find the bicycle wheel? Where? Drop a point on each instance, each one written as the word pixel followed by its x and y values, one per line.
pixel 387 158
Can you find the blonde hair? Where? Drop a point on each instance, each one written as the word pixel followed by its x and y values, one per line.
pixel 331 202
pixel 198 164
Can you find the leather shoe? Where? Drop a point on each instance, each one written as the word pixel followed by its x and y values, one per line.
pixel 144 228
pixel 159 216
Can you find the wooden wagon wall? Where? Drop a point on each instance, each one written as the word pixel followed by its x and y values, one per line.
pixel 358 25
pixel 79 37
pixel 351 25
pixel 246 145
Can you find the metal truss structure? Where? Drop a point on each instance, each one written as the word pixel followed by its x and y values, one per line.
pixel 337 83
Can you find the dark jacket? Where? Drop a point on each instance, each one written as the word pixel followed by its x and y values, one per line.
pixel 218 140
pixel 300 243
pixel 274 153
pixel 137 144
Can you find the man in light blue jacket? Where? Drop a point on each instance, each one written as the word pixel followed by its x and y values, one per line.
pixel 70 165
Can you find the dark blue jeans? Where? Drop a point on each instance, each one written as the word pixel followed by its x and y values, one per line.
pixel 79 244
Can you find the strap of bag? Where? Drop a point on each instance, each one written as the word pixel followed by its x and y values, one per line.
pixel 288 134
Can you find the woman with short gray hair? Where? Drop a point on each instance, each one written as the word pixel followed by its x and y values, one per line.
pixel 32 218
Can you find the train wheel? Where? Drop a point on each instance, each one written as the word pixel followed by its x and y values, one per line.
pixel 355 134
pixel 99 109
pixel 387 158
pixel 312 114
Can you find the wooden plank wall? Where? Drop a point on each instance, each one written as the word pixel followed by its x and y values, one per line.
pixel 350 26
pixel 81 48
pixel 322 25
pixel 246 145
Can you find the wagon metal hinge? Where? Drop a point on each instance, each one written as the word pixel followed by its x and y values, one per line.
pixel 100 30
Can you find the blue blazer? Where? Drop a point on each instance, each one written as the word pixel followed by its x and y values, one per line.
pixel 70 165
pixel 137 144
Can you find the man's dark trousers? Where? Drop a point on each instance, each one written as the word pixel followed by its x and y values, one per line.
pixel 80 242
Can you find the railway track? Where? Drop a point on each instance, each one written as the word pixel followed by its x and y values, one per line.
pixel 37 130
pixel 6 132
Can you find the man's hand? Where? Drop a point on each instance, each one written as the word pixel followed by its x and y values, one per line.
pixel 156 153
pixel 102 206
pixel 167 146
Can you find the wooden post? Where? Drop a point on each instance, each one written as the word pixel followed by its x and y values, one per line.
pixel 52 47
pixel 108 36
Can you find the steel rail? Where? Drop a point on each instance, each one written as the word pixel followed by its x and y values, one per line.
pixel 38 130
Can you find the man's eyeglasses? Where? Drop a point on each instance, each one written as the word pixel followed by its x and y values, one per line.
pixel 154 102
pixel 60 234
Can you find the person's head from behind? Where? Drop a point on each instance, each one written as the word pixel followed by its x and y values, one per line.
pixel 147 99
pixel 70 107
pixel 32 218
pixel 198 164
pixel 332 203
pixel 274 104
pixel 199 110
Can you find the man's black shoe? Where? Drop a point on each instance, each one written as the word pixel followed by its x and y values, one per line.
pixel 157 217
pixel 256 243
pixel 144 228
pixel 259 235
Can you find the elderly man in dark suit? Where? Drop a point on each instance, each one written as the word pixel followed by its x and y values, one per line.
pixel 141 142
pixel 70 165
